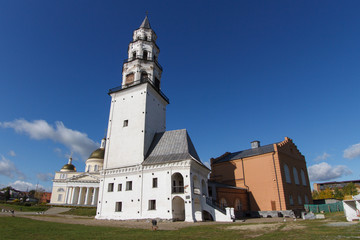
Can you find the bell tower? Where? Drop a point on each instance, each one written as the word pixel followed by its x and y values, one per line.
pixel 138 107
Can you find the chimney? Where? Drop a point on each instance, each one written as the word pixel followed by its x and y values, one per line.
pixel 255 144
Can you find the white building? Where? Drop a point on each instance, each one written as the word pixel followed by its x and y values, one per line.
pixel 149 172
pixel 79 188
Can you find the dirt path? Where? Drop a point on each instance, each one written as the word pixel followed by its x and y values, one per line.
pixel 142 224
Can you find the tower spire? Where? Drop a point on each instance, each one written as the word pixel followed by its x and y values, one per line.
pixel 145 23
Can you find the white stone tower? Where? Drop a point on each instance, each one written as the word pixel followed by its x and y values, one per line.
pixel 138 107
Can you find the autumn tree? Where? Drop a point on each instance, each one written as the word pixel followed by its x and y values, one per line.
pixel 350 189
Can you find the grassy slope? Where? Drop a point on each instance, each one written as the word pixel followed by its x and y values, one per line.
pixel 21 228
pixel 90 212
pixel 15 207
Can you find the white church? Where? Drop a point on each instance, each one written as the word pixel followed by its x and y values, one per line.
pixel 147 172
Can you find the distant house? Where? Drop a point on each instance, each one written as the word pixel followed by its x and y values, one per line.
pixel 274 176
pixel 332 185
pixel 45 197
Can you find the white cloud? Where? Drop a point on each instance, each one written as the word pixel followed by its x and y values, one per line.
pixel 8 168
pixel 322 157
pixel 352 151
pixel 12 153
pixel 24 186
pixel 324 172
pixel 45 177
pixel 76 141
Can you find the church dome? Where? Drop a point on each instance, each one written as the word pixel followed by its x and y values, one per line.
pixel 98 153
pixel 68 168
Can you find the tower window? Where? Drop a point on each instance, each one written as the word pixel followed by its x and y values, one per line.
pixel 144 75
pixel 157 83
pixel 134 55
pixel 155 183
pixel 111 187
pixel 152 204
pixel 145 55
pixel 128 185
pixel 126 123
pixel 145 38
pixel 118 207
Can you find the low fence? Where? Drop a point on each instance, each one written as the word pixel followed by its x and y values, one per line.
pixel 331 207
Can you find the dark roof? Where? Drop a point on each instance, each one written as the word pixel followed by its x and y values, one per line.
pixel 145 23
pixel 222 185
pixel 171 146
pixel 245 153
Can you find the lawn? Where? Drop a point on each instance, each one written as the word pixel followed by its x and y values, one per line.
pixel 22 228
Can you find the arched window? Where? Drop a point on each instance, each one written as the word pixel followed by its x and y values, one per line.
pixel 291 200
pixel 61 190
pixel 89 168
pixel 145 38
pixel 296 176
pixel 145 55
pixel 287 173
pixel 223 203
pixel 96 168
pixel 237 205
pixel 299 200
pixel 306 199
pixel 144 76
pixel 303 177
pixel 134 55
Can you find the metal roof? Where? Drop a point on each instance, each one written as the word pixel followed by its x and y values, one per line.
pixel 171 146
pixel 145 23
pixel 246 153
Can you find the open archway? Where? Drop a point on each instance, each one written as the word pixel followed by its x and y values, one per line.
pixel 178 209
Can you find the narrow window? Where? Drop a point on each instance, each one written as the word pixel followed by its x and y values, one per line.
pixel 96 168
pixel 145 55
pixel 119 187
pixel 296 176
pixel 152 204
pixel 134 55
pixel 299 200
pixel 157 83
pixel 118 207
pixel 303 177
pixel 59 197
pixel 306 199
pixel 155 183
pixel 145 38
pixel 111 187
pixel 128 185
pixel 291 200
pixel 287 174
pixel 223 203
pixel 237 205
pixel 126 123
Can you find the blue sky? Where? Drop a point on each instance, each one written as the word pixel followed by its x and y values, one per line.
pixel 235 71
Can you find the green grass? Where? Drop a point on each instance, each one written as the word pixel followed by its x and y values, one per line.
pixel 21 208
pixel 89 212
pixel 23 228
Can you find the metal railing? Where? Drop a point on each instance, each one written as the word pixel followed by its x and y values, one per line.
pixel 142 80
pixel 211 202
pixel 140 57
pixel 177 189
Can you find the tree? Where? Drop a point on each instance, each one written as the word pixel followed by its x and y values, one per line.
pixel 315 194
pixel 350 189
pixel 325 194
pixel 338 193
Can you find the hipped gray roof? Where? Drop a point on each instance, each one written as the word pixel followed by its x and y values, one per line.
pixel 171 146
pixel 145 23
pixel 246 153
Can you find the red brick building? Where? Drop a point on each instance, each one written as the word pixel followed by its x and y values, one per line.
pixel 273 176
